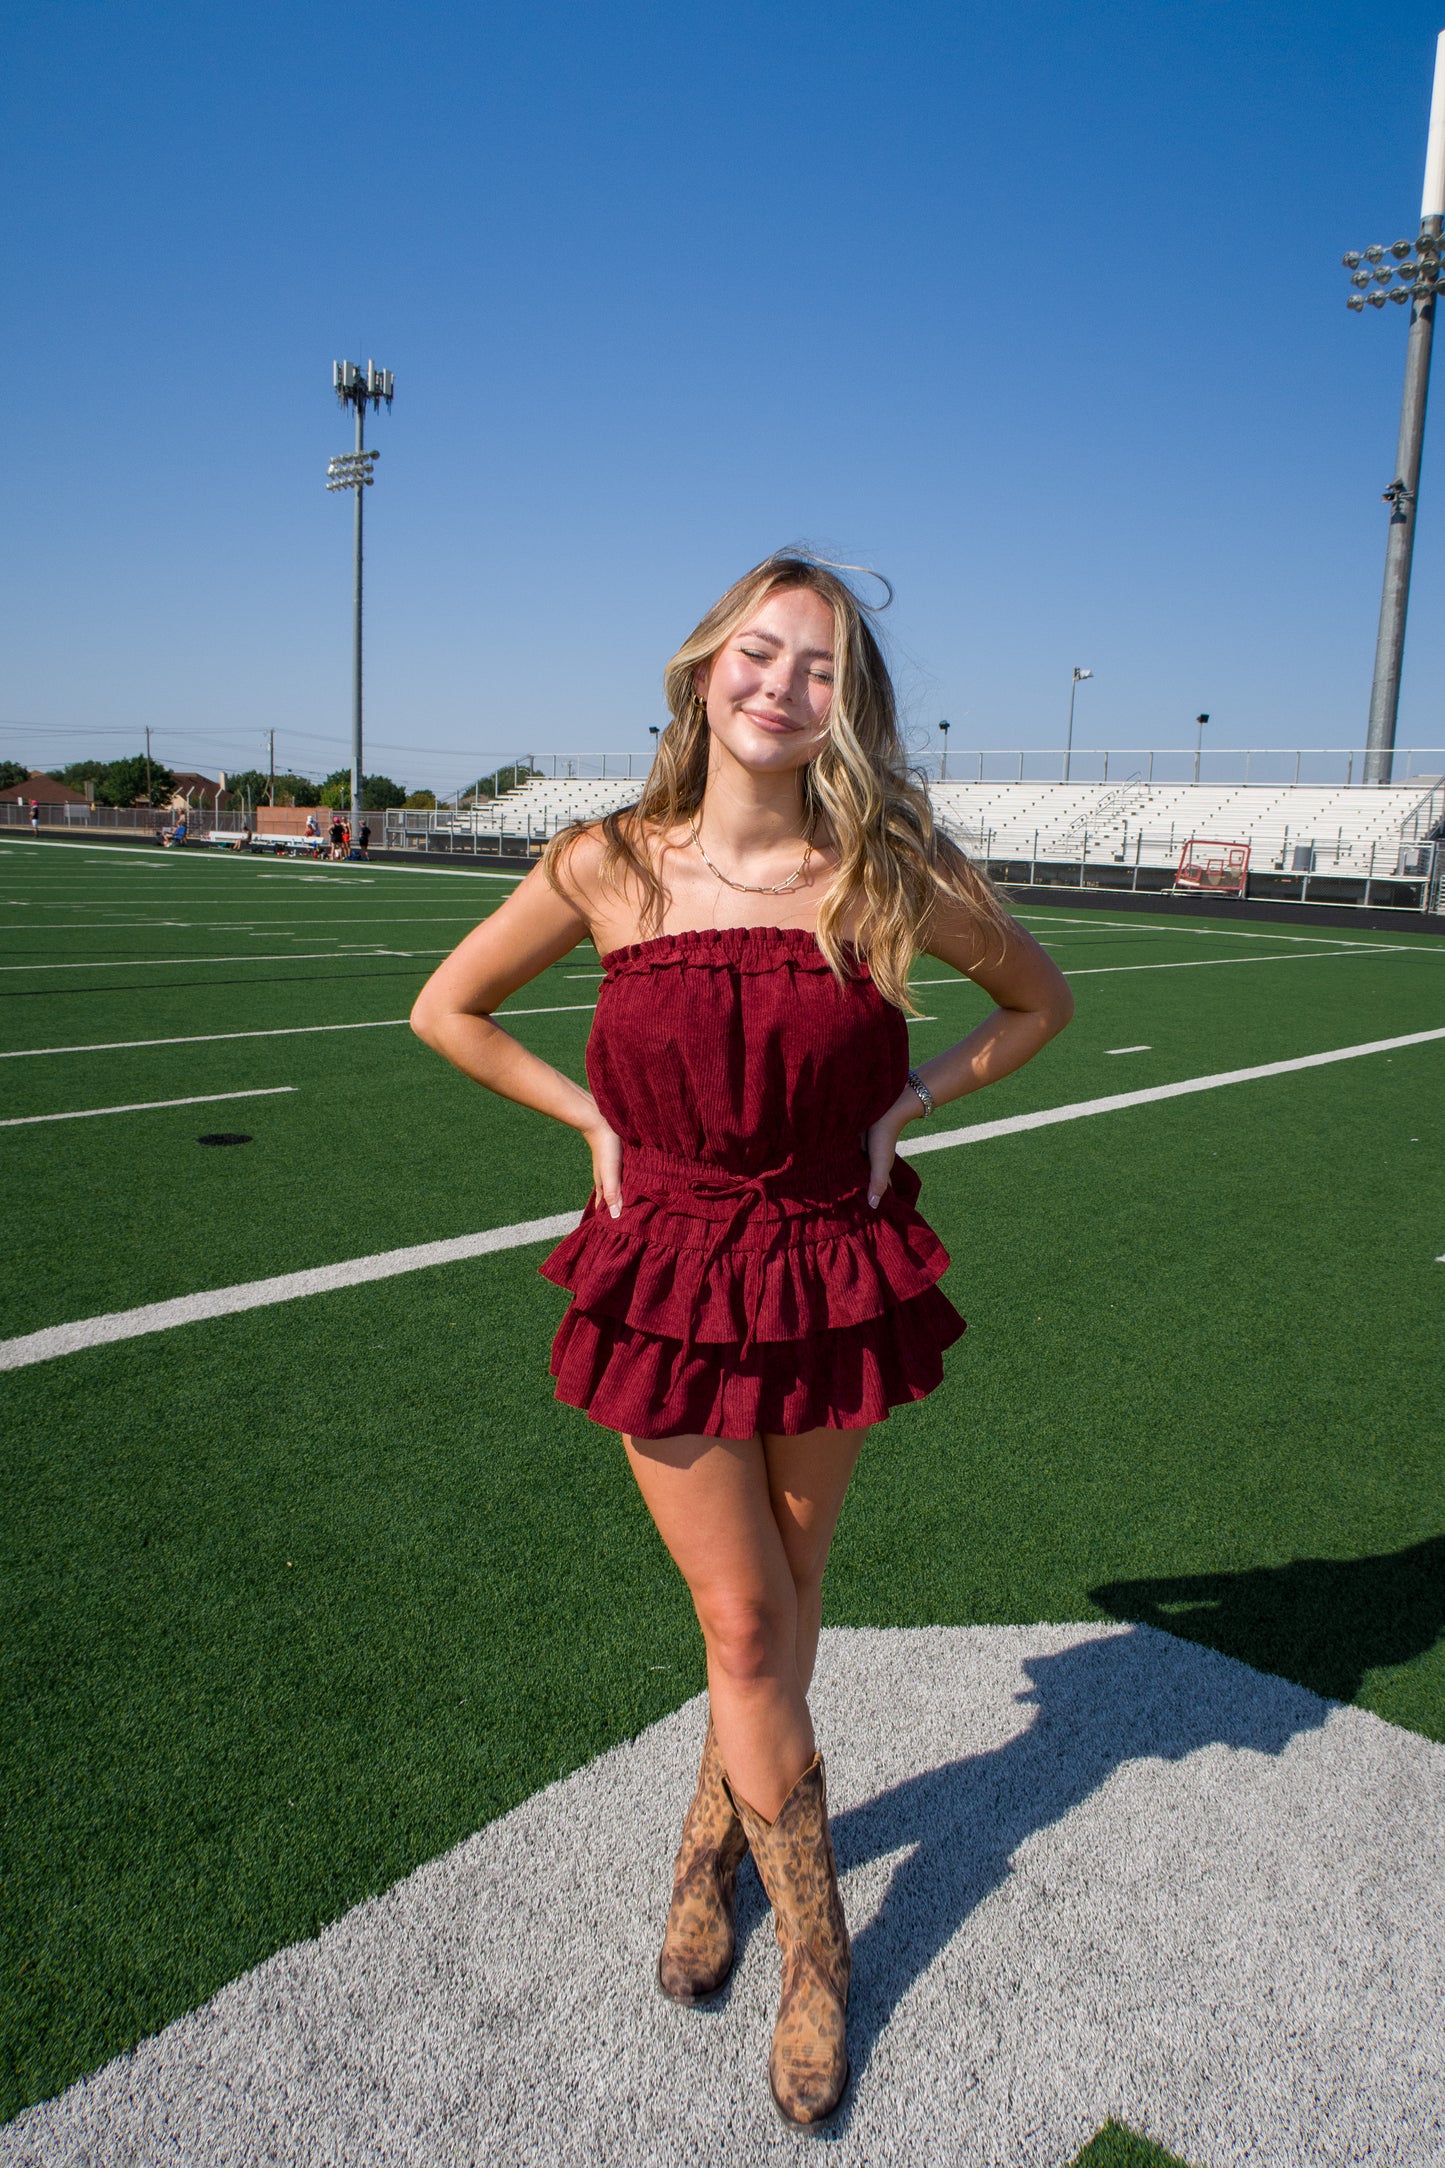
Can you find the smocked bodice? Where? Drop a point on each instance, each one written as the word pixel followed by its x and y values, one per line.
pixel 738 1047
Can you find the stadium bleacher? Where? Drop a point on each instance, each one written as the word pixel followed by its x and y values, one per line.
pixel 1353 832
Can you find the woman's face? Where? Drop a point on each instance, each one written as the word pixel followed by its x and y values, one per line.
pixel 769 689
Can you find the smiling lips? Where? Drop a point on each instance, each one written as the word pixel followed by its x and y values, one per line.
pixel 778 724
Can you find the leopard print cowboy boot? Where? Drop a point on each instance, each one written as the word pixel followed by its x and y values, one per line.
pixel 697 1947
pixel 808 2067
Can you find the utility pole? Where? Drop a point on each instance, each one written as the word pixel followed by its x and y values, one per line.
pixel 1420 279
pixel 271 791
pixel 1199 723
pixel 943 756
pixel 353 471
pixel 148 764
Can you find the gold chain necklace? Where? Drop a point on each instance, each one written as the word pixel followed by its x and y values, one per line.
pixel 747 888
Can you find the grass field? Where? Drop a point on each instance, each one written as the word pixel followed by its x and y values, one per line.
pixel 298 1597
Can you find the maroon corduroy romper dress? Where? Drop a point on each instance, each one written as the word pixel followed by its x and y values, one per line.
pixel 747 1284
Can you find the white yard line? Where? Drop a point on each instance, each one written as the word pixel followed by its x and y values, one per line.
pixel 563 1008
pixel 1200 933
pixel 35 1347
pixel 145 1106
pixel 1128 1050
pixel 1207 963
pixel 282 956
pixel 1011 1125
pixel 171 864
pixel 200 1038
pixel 1189 963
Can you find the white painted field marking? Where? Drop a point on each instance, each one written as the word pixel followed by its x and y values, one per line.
pixel 284 956
pixel 1046 1116
pixel 923 1019
pixel 200 1038
pixel 1128 1050
pixel 37 1347
pixel 145 1106
pixel 170 866
pixel 1205 933
pixel 1209 963
pixel 563 1008
pixel 1191 963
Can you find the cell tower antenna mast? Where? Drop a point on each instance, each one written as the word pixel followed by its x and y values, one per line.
pixel 356 387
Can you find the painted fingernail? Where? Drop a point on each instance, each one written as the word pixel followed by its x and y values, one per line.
pixel 873 1200
pixel 615 1210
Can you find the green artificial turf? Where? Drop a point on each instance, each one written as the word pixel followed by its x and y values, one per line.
pixel 297 1598
pixel 1115 2147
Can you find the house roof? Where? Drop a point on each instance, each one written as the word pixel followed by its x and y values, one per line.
pixel 45 788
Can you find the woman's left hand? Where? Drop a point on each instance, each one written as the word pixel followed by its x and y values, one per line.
pixel 881 1142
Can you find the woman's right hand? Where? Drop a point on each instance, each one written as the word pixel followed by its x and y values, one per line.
pixel 606 1148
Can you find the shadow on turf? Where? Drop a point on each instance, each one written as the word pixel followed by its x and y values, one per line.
pixel 1324 1622
pixel 1100 1704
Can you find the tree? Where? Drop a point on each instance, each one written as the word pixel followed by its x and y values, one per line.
pixel 377 791
pixel 421 801
pixel 255 784
pixel 11 773
pixel 252 783
pixel 123 782
pixel 297 790
pixel 77 773
pixel 492 786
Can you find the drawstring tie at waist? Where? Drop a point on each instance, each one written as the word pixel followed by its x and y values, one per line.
pixel 697 1188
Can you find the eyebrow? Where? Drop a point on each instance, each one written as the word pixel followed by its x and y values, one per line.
pixel 750 632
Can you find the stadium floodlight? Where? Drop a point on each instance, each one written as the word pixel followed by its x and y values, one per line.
pixel 1076 681
pixel 355 471
pixel 1417 264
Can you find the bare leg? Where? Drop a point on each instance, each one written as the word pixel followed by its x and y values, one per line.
pixel 808 1477
pixel 748 1523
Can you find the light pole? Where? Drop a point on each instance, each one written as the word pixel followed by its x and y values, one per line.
pixel 353 471
pixel 943 761
pixel 1199 723
pixel 1076 681
pixel 1419 275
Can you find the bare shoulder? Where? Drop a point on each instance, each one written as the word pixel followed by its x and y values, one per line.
pixel 576 862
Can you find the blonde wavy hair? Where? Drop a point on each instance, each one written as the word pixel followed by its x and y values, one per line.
pixel 894 865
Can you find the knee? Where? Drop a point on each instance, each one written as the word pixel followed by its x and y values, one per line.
pixel 747 1637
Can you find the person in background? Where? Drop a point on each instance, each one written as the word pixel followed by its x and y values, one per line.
pixel 363 841
pixel 35 816
pixel 334 835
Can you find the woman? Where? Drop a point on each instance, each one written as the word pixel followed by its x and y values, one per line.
pixel 752 1285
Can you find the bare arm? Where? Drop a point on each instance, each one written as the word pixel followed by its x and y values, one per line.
pixel 535 928
pixel 1033 1004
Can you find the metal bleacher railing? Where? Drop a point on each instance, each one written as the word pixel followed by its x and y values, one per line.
pixel 1333 842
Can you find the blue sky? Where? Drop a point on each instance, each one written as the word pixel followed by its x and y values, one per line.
pixel 1036 306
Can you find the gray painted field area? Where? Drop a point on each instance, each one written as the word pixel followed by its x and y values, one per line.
pixel 1090 1870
